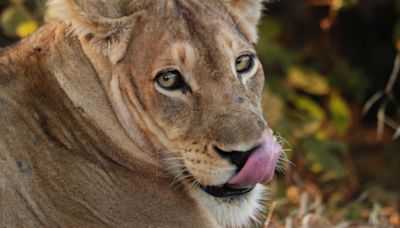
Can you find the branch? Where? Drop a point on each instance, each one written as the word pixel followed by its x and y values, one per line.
pixel 388 97
pixel 394 75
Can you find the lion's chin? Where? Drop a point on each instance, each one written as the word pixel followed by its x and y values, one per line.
pixel 233 211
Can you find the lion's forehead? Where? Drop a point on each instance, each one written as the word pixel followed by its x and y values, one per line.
pixel 184 23
pixel 199 54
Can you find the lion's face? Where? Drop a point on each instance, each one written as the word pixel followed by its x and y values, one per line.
pixel 186 73
pixel 204 94
pixel 200 82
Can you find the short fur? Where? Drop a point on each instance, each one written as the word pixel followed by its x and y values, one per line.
pixel 87 139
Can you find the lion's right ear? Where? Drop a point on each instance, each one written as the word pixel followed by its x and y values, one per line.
pixel 246 13
pixel 107 24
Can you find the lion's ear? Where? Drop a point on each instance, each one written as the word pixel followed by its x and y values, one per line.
pixel 106 24
pixel 246 13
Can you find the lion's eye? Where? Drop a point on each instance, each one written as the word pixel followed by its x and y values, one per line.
pixel 244 64
pixel 170 80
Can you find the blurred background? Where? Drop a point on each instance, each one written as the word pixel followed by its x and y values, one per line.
pixel 332 94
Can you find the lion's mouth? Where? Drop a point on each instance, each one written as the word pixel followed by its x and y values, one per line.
pixel 224 191
pixel 258 167
pixel 218 190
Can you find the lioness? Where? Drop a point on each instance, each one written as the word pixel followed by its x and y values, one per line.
pixel 135 113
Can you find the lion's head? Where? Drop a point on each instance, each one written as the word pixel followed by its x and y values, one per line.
pixel 186 77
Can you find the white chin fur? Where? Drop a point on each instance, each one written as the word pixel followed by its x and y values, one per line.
pixel 232 211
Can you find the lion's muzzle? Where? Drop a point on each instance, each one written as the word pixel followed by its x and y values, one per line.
pixel 253 167
pixel 260 165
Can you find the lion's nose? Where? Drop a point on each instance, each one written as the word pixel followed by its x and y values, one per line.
pixel 238 158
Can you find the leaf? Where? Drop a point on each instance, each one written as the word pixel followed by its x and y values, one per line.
pixel 309 106
pixel 308 81
pixel 396 35
pixel 312 116
pixel 320 154
pixel 26 28
pixel 340 113
pixel 293 193
pixel 10 19
pixel 342 4
pixel 316 167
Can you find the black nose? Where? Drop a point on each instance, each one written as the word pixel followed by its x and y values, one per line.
pixel 237 158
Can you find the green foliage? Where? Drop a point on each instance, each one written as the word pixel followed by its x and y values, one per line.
pixel 340 113
pixel 308 81
pixel 320 95
pixel 19 19
pixel 315 115
pixel 10 19
pixel 269 49
pixel 322 157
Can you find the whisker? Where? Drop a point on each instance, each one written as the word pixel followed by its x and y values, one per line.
pixel 180 179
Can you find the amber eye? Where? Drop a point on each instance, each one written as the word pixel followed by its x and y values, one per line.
pixel 244 64
pixel 170 80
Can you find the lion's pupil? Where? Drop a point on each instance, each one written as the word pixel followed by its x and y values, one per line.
pixel 166 78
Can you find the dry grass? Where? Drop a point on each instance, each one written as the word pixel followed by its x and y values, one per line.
pixel 302 209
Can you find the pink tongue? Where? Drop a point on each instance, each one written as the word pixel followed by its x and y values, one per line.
pixel 260 166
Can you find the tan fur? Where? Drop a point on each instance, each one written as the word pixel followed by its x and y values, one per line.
pixel 87 139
